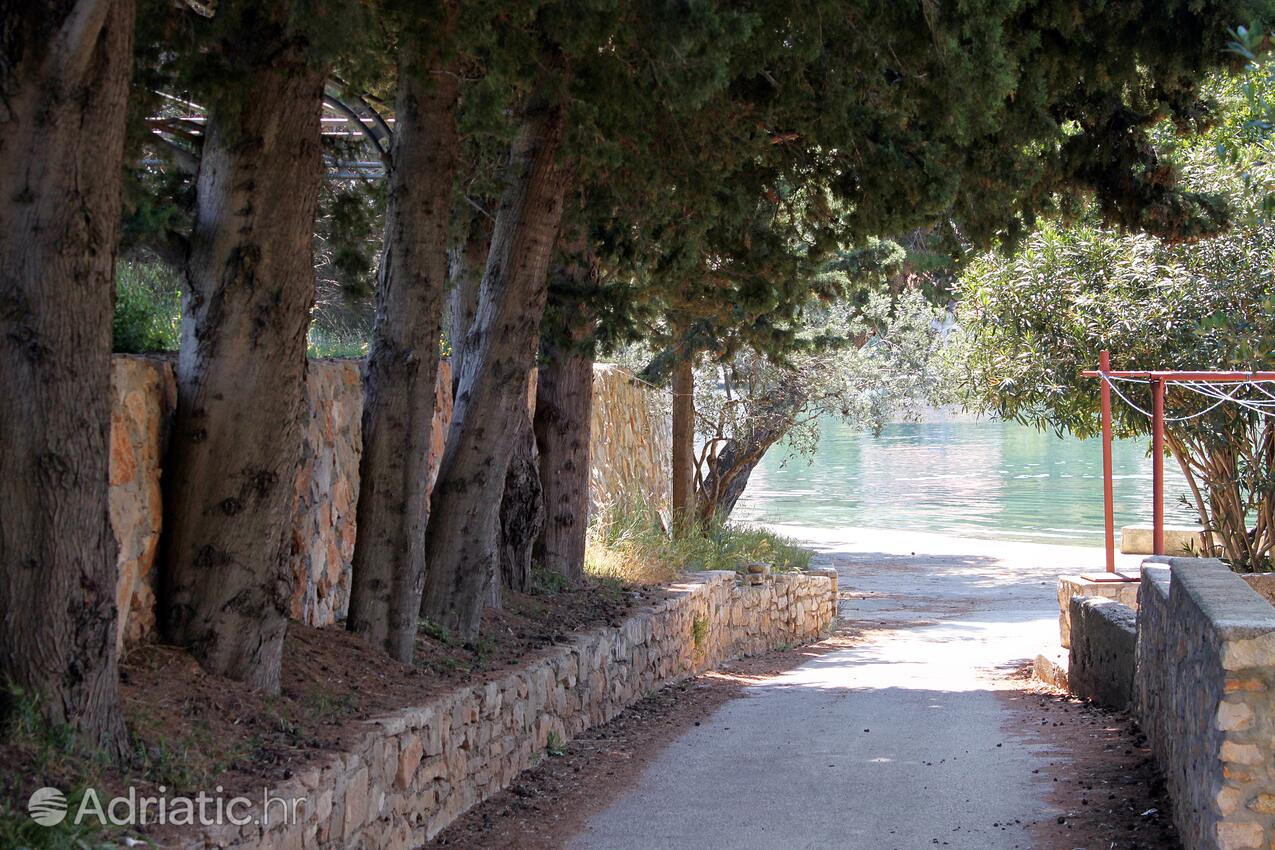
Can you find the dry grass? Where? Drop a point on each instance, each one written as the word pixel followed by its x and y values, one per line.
pixel 633 546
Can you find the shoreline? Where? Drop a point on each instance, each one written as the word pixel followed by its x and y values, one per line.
pixel 1073 557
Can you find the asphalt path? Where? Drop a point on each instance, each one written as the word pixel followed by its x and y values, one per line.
pixel 897 743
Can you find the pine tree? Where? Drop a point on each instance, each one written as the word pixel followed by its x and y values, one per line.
pixel 64 72
pixel 236 441
pixel 402 367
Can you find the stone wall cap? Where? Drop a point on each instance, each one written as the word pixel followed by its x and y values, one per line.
pixel 1155 572
pixel 1116 613
pixel 1232 607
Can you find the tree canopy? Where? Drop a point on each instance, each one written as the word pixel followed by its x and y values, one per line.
pixel 1034 319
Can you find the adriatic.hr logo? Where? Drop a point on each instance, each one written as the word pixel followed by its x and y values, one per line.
pixel 50 807
pixel 47 806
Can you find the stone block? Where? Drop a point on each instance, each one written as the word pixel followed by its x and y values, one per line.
pixel 1126 593
pixel 1240 836
pixel 356 800
pixel 1179 540
pixel 409 759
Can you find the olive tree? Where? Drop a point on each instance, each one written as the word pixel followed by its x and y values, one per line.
pixel 865 366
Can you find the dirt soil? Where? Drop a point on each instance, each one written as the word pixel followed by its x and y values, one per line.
pixel 193 731
pixel 1105 780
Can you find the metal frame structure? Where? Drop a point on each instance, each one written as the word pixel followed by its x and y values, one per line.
pixel 1159 381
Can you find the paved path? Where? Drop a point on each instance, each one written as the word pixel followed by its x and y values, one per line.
pixel 897 742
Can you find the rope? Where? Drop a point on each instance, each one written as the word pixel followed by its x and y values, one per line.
pixel 1208 389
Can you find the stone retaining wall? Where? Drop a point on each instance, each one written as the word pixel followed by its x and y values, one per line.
pixel 1205 695
pixel 1069 587
pixel 418 769
pixel 630 444
pixel 631 441
pixel 143 396
pixel 1104 637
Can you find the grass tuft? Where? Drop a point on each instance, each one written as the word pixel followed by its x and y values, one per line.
pixel 631 544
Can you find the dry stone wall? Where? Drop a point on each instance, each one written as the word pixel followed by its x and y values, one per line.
pixel 143 395
pixel 1205 696
pixel 630 446
pixel 418 769
pixel 327 485
pixel 1069 587
pixel 1104 637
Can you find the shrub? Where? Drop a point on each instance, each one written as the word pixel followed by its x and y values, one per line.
pixel 147 309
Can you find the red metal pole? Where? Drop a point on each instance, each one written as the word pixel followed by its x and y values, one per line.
pixel 1157 467
pixel 1108 498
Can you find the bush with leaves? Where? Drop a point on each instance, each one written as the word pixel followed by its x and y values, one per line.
pixel 147 309
pixel 1031 322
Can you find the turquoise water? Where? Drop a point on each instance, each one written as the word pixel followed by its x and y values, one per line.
pixel 981 478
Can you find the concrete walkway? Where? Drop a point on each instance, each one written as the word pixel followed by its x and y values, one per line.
pixel 898 742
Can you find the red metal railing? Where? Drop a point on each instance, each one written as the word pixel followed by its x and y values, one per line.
pixel 1159 380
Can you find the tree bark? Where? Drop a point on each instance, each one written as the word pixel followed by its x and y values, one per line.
pixel 500 349
pixel 683 445
pixel 64 71
pixel 236 440
pixel 564 414
pixel 729 471
pixel 522 514
pixel 465 278
pixel 401 370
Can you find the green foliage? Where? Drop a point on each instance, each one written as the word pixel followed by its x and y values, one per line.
pixel 323 706
pixel 833 130
pixel 435 631
pixel 699 631
pixel 169 763
pixel 546 582
pixel 867 366
pixel 1034 320
pixel 52 754
pixel 326 341
pixel 723 152
pixel 349 229
pixel 26 726
pixel 147 309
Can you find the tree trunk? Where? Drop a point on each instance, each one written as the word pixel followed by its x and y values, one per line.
pixel 500 349
pixel 236 440
pixel 522 513
pixel 724 483
pixel 465 277
pixel 64 72
pixel 564 413
pixel 398 383
pixel 728 474
pixel 683 445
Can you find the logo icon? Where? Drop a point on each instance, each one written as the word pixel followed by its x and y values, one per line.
pixel 47 806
